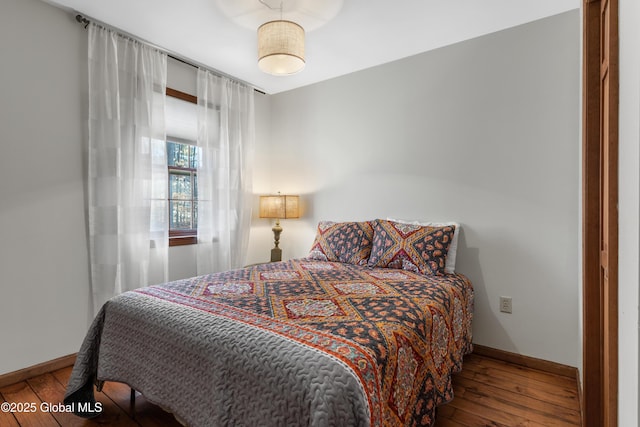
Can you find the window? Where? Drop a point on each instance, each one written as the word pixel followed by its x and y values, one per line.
pixel 182 162
pixel 183 189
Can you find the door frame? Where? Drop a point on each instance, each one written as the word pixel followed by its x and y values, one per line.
pixel 600 309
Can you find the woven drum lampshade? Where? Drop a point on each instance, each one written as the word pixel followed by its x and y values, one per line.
pixel 281 47
pixel 279 207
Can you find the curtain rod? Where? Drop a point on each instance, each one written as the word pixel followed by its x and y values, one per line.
pixel 85 20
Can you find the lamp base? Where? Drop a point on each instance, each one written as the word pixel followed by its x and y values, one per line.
pixel 276 254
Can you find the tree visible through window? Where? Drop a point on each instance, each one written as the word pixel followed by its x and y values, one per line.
pixel 182 160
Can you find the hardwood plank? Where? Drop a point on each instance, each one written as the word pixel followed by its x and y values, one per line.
pixel 509 406
pixel 519 400
pixel 496 417
pixel 6 418
pixel 50 391
pixel 447 422
pixel 32 371
pixel 112 413
pixel 63 375
pixel 464 418
pixel 22 394
pixel 529 373
pixel 520 374
pixel 525 361
pixel 489 392
pixel 562 394
pixel 146 413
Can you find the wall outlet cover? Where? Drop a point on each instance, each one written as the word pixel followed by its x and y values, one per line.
pixel 506 305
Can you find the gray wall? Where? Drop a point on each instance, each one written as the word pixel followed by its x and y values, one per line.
pixel 485 132
pixel 44 270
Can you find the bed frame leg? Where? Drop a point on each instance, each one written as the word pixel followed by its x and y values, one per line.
pixel 132 403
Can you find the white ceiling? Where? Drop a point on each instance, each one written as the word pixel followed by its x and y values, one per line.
pixel 363 34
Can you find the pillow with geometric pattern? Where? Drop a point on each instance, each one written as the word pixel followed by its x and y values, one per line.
pixel 421 249
pixel 450 265
pixel 346 242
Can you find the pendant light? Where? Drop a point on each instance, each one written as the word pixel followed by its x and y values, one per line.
pixel 280 46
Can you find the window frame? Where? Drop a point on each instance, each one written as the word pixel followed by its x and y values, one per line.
pixel 180 237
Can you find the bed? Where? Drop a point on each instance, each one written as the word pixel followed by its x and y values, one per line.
pixel 326 340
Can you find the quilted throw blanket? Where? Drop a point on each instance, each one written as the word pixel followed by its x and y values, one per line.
pixel 300 342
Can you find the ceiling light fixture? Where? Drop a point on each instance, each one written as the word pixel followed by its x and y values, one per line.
pixel 280 46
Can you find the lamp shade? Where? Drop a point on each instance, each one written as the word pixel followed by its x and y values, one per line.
pixel 281 48
pixel 279 206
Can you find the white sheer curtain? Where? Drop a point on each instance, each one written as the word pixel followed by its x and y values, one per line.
pixel 127 184
pixel 226 141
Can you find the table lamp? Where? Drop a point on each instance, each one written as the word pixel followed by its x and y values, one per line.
pixel 278 207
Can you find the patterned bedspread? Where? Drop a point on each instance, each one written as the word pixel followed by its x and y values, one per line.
pixel 294 343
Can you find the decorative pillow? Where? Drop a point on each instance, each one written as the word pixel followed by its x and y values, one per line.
pixel 422 249
pixel 347 242
pixel 450 266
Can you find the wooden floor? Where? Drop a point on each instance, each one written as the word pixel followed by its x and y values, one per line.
pixel 488 392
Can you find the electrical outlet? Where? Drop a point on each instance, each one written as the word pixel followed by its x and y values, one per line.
pixel 505 305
